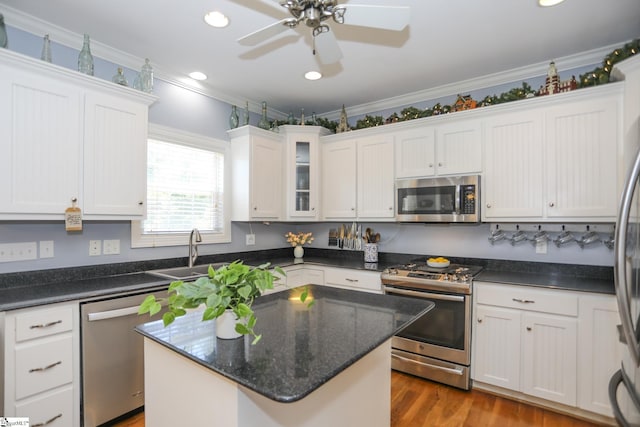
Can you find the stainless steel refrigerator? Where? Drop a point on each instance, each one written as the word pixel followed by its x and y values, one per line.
pixel 624 386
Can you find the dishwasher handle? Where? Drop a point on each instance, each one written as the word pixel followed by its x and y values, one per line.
pixel 111 314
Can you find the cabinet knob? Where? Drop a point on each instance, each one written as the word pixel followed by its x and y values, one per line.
pixel 551 204
pixel 390 208
pixel 430 165
pixel 528 328
pixel 255 208
pixel 313 209
pixel 353 209
pixel 140 203
pixel 488 205
pixel 439 163
pixel 479 320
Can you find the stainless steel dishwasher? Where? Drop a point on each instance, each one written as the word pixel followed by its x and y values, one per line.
pixel 112 356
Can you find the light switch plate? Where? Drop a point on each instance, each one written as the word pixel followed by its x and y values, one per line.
pixel 250 239
pixel 111 247
pixel 46 248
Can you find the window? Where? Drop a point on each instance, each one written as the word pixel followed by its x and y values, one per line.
pixel 187 177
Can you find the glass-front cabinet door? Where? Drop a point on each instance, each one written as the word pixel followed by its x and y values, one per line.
pixel 303 171
pixel 302 177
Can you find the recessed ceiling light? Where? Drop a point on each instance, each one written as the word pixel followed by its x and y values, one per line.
pixel 197 75
pixel 216 19
pixel 312 75
pixel 547 3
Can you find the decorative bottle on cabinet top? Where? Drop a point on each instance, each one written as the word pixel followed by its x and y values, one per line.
pixel 85 59
pixel 264 122
pixel 119 78
pixel 46 49
pixel 233 118
pixel 146 77
pixel 3 33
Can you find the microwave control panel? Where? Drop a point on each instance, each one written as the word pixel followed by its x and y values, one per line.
pixel 468 199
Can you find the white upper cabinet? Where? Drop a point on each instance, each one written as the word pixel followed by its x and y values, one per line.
pixel 302 181
pixel 415 152
pixel 115 184
pixel 555 161
pixel 582 158
pixel 513 179
pixel 375 181
pixel 358 177
pixel 69 136
pixel 40 143
pixel 339 179
pixel 452 148
pixel 257 174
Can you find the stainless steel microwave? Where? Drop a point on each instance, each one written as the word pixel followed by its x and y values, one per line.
pixel 443 199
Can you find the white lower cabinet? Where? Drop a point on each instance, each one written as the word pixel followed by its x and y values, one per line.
pixel 346 278
pixel 555 345
pixel 42 365
pixel 599 351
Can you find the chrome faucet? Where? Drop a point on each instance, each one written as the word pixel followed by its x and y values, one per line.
pixel 193 247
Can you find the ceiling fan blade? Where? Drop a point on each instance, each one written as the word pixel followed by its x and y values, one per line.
pixel 327 49
pixel 385 17
pixel 265 33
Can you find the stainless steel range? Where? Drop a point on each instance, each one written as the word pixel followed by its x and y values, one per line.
pixel 437 346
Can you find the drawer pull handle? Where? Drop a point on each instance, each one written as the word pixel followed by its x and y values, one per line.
pixel 524 301
pixel 46 325
pixel 59 362
pixel 351 280
pixel 47 422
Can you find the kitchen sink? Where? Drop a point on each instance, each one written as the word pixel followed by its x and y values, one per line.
pixel 184 273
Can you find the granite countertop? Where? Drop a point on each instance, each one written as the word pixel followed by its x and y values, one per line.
pixel 30 294
pixel 301 348
pixel 29 289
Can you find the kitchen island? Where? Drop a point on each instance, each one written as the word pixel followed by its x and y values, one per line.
pixel 325 365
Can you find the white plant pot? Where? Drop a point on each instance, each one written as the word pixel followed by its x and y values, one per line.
pixel 226 326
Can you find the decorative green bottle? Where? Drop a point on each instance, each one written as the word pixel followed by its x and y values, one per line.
pixel 233 119
pixel 85 59
pixel 264 122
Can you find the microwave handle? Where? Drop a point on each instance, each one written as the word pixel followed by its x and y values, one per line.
pixel 457 203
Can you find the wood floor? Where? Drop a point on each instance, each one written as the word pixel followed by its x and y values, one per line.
pixel 419 403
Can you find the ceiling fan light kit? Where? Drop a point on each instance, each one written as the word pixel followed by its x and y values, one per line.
pixel 315 13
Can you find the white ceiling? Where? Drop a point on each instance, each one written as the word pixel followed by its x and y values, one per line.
pixel 447 41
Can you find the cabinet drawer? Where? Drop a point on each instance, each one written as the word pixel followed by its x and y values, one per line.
pixel 527 298
pixel 43 365
pixel 353 279
pixel 49 409
pixel 42 323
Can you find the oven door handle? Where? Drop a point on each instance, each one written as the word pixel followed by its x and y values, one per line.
pixel 424 295
pixel 441 368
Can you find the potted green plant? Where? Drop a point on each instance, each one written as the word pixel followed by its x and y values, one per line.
pixel 227 292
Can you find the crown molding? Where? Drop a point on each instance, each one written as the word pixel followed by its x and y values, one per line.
pixel 73 40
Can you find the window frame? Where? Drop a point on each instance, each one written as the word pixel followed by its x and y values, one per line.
pixel 180 137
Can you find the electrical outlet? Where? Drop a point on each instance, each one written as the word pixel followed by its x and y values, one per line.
pixel 251 239
pixel 95 247
pixel 46 248
pixel 541 247
pixel 111 247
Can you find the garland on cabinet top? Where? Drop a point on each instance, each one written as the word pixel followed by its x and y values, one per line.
pixel 553 84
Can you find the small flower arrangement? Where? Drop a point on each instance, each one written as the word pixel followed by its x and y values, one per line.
pixel 299 239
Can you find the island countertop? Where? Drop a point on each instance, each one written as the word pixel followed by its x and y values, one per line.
pixel 301 347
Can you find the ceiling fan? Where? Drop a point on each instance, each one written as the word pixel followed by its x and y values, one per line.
pixel 314 13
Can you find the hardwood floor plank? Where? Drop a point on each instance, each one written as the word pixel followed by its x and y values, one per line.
pixel 416 402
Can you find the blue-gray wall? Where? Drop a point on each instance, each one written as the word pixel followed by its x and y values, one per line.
pixel 191 111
